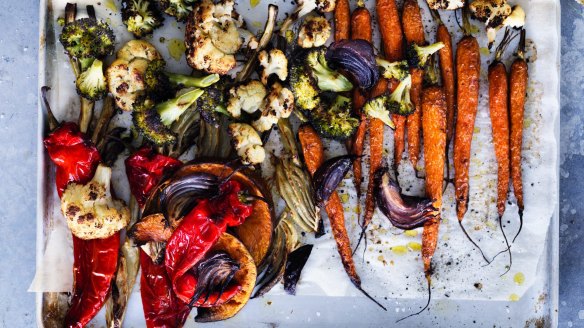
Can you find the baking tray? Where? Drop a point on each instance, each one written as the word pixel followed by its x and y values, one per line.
pixel 537 307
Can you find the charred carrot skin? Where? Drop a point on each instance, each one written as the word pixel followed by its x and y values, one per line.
pixel 498 93
pixel 434 117
pixel 414 33
pixel 313 153
pixel 446 59
pixel 468 65
pixel 342 18
pixel 518 88
pixel 376 152
pixel 390 28
pixel 360 29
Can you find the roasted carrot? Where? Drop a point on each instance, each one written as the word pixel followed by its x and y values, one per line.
pixel 468 66
pixel 360 29
pixel 446 59
pixel 313 152
pixel 414 32
pixel 342 20
pixel 375 153
pixel 390 28
pixel 518 88
pixel 434 108
pixel 498 107
pixel 498 93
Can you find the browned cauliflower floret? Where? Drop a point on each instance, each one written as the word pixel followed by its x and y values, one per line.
pixel 314 32
pixel 90 209
pixel 246 97
pixel 273 62
pixel 213 36
pixel 278 104
pixel 496 14
pixel 247 143
pixel 445 4
pixel 125 75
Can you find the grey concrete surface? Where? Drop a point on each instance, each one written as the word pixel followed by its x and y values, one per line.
pixel 18 117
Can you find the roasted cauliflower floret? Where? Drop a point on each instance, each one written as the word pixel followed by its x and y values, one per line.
pixel 445 4
pixel 213 36
pixel 278 104
pixel 496 14
pixel 247 143
pixel 125 75
pixel 314 32
pixel 273 62
pixel 138 49
pixel 516 19
pixel 246 97
pixel 126 81
pixel 90 209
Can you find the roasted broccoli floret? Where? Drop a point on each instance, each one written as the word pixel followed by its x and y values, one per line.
pixel 336 121
pixel 377 108
pixel 172 109
pixel 327 78
pixel 149 124
pixel 393 70
pixel 418 55
pixel 91 84
pixel 180 9
pixel 141 17
pixel 212 103
pixel 87 38
pixel 399 101
pixel 158 86
pixel 304 88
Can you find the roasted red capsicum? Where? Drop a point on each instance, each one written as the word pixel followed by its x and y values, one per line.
pixel 95 260
pixel 162 309
pixel 145 168
pixel 196 234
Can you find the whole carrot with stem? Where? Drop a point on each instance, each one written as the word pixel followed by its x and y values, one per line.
pixel 414 33
pixel 342 16
pixel 313 152
pixel 518 78
pixel 434 115
pixel 360 29
pixel 498 107
pixel 468 66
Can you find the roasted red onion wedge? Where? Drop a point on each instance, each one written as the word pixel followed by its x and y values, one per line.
pixel 357 58
pixel 329 175
pixel 404 212
pixel 214 274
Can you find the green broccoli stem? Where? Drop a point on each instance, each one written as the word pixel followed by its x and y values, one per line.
pixel 264 41
pixel 107 112
pixel 192 81
pixel 85 114
pixel 172 109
